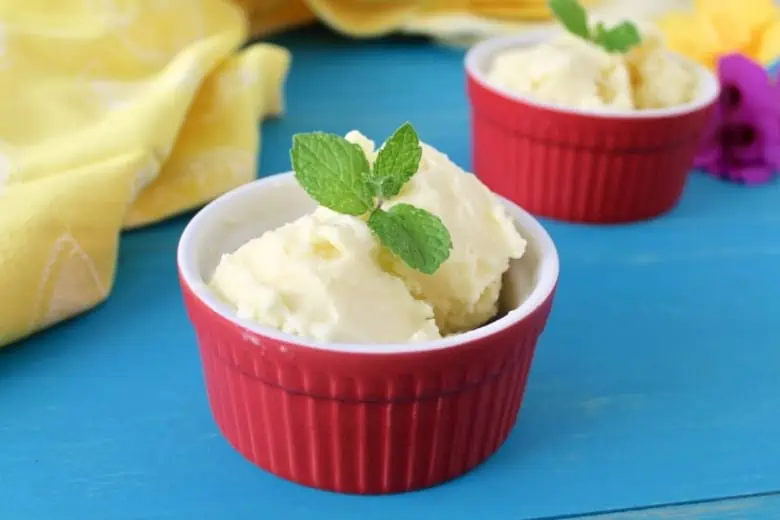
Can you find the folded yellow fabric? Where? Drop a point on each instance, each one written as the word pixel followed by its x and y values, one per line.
pixel 115 114
pixel 375 17
pixel 458 21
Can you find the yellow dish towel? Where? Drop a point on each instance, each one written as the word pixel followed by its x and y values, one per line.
pixel 115 113
pixel 453 21
pixel 119 113
pixel 374 17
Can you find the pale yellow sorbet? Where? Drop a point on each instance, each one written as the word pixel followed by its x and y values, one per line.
pixel 572 72
pixel 325 276
pixel 464 290
pixel 319 277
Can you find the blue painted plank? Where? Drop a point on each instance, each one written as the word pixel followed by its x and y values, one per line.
pixel 756 507
pixel 656 382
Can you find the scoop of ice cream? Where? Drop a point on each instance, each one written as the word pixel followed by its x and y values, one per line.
pixel 572 72
pixel 319 277
pixel 567 71
pixel 464 290
pixel 326 276
pixel 659 81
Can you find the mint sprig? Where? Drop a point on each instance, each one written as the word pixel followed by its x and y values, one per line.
pixel 396 162
pixel 415 235
pixel 572 15
pixel 333 171
pixel 617 39
pixel 337 174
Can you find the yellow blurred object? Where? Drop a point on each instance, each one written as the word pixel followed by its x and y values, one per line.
pixel 717 27
pixel 117 114
pixel 374 17
pixel 768 49
pixel 270 16
pixel 459 21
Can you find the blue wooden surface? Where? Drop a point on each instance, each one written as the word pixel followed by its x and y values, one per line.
pixel 656 383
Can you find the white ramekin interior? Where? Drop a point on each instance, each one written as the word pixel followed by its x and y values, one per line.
pixel 480 57
pixel 246 212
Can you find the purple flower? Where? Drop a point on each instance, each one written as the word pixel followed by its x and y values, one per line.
pixel 743 141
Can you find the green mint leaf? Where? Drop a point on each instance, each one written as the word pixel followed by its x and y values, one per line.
pixel 620 38
pixel 599 30
pixel 396 162
pixel 416 236
pixel 572 16
pixel 333 172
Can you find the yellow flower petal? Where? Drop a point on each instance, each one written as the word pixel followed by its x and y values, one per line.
pixel 739 25
pixel 691 36
pixel 718 27
pixel 752 14
pixel 768 48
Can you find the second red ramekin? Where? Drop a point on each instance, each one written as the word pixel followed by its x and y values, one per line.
pixel 358 418
pixel 581 165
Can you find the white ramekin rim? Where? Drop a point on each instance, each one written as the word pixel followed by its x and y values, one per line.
pixel 482 52
pixel 219 210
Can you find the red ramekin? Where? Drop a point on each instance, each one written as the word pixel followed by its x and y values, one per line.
pixel 363 419
pixel 581 165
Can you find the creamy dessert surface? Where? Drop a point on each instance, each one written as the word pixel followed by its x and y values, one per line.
pixel 325 276
pixel 576 73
